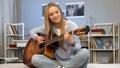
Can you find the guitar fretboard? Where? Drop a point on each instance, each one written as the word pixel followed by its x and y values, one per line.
pixel 50 41
pixel 79 31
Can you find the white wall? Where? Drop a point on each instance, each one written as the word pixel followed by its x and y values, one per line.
pixel 101 11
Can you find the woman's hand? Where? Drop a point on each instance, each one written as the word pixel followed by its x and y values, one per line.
pixel 40 39
pixel 69 39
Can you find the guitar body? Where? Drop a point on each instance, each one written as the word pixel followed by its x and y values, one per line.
pixel 49 49
pixel 31 48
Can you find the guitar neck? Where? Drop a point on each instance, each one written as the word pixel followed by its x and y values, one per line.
pixel 57 38
pixel 50 41
pixel 71 32
pixel 79 31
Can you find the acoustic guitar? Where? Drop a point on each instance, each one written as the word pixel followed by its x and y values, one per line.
pixel 48 47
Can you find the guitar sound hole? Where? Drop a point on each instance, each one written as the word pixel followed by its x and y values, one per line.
pixel 56 44
pixel 41 45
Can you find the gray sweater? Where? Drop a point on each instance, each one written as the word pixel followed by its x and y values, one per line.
pixel 61 55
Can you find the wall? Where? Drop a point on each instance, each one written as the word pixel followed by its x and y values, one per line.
pixel 1 47
pixel 18 3
pixel 101 11
pixel 30 14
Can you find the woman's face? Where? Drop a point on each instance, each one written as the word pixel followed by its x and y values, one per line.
pixel 54 14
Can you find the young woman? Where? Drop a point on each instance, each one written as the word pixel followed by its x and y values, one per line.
pixel 69 53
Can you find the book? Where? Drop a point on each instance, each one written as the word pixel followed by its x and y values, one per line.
pixel 111 59
pixel 111 30
pixel 99 43
pixel 12 45
pixel 94 57
pixel 13 29
pixel 97 31
pixel 93 44
pixel 10 30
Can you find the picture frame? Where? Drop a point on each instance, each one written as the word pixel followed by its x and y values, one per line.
pixel 74 10
pixel 64 13
pixel 43 9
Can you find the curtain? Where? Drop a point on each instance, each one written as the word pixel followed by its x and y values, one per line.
pixel 8 14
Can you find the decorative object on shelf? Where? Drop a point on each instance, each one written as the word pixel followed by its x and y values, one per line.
pixel 108 44
pixel 99 43
pixel 83 37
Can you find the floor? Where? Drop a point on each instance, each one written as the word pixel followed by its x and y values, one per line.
pixel 13 65
pixel 20 65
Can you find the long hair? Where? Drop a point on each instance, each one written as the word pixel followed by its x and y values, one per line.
pixel 46 17
pixel 48 23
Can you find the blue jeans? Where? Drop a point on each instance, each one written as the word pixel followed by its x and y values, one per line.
pixel 80 60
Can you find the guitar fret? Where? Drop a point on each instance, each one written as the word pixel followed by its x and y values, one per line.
pixel 71 32
pixel 48 42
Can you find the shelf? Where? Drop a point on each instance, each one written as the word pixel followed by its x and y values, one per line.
pixel 104 43
pixel 11 48
pixel 11 59
pixel 103 49
pixel 20 43
pixel 84 40
pixel 13 31
pixel 10 35
pixel 102 35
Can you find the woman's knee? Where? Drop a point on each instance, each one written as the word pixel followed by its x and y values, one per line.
pixel 36 58
pixel 85 52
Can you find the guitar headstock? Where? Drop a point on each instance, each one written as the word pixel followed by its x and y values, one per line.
pixel 82 30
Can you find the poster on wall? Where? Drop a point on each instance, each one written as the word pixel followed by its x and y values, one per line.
pixel 64 13
pixel 74 10
pixel 43 9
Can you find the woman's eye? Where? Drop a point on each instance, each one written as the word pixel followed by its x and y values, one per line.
pixel 51 14
pixel 56 12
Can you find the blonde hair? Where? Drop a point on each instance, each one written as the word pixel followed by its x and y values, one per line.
pixel 48 23
pixel 47 20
